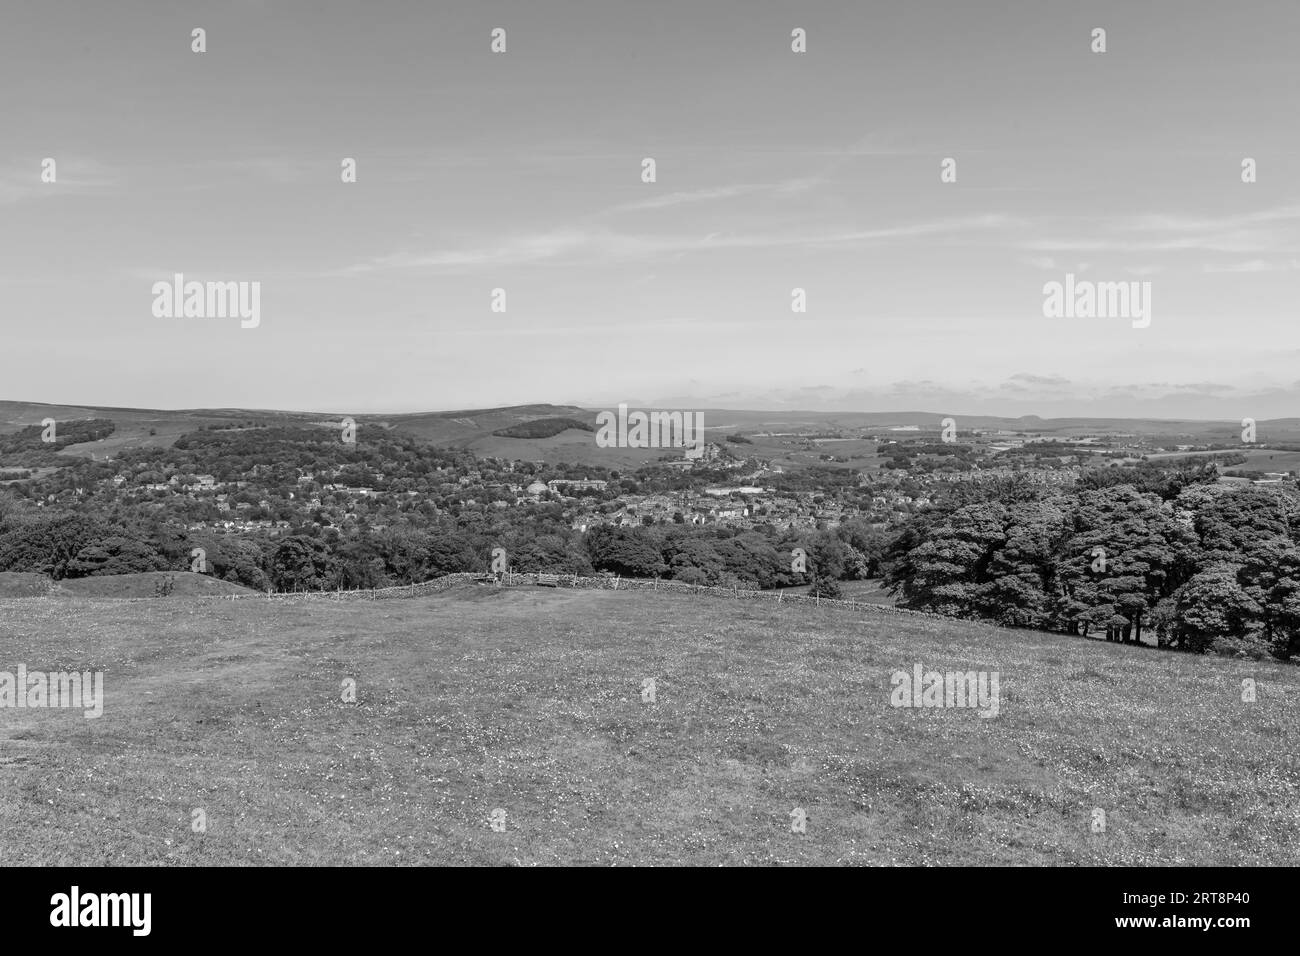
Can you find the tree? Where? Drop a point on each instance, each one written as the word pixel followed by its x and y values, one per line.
pixel 1212 607
pixel 47 544
pixel 114 555
pixel 300 563
pixel 943 571
pixel 869 546
pixel 1021 577
pixel 626 551
pixel 1127 553
pixel 691 575
pixel 1270 577
pixel 826 587
pixel 752 560
pixel 237 561
pixel 693 559
pixel 452 552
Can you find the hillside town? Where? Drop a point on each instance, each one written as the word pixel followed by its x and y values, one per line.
pixel 723 488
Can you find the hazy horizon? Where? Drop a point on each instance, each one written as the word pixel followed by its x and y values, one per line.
pixel 633 405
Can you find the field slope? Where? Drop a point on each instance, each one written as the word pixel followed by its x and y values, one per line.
pixel 530 701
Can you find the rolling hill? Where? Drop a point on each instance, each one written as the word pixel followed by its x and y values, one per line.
pixel 491 432
pixel 184 584
pixel 534 703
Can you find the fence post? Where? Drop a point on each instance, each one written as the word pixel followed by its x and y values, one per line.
pixel 780 596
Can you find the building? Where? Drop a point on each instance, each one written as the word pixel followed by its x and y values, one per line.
pixel 574 484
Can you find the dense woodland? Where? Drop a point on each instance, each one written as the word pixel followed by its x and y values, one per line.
pixel 1201 565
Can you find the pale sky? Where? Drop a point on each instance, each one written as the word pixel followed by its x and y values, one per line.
pixel 775 170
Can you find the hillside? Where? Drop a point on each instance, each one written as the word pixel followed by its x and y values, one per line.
pixel 477 430
pixel 184 584
pixel 23 584
pixel 504 433
pixel 530 701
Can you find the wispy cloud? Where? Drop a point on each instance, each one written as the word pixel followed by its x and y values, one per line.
pixel 790 187
pixel 1030 378
pixel 72 174
pixel 587 245
pixel 1269 230
pixel 1253 265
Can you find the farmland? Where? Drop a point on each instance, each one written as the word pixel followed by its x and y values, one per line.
pixel 533 702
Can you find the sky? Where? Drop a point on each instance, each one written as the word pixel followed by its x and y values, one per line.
pixel 774 171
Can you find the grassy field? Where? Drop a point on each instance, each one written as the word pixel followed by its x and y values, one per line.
pixel 530 701
pixel 141 585
pixel 869 591
pixel 1258 459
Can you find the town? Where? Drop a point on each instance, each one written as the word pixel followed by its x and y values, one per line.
pixel 217 479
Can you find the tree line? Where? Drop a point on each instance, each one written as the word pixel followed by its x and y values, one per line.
pixel 1194 564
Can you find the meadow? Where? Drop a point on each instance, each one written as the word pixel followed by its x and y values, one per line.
pixel 534 701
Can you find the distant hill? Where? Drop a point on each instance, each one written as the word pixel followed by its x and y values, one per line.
pixel 532 432
pixel 137 427
pixel 517 432
pixel 463 427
